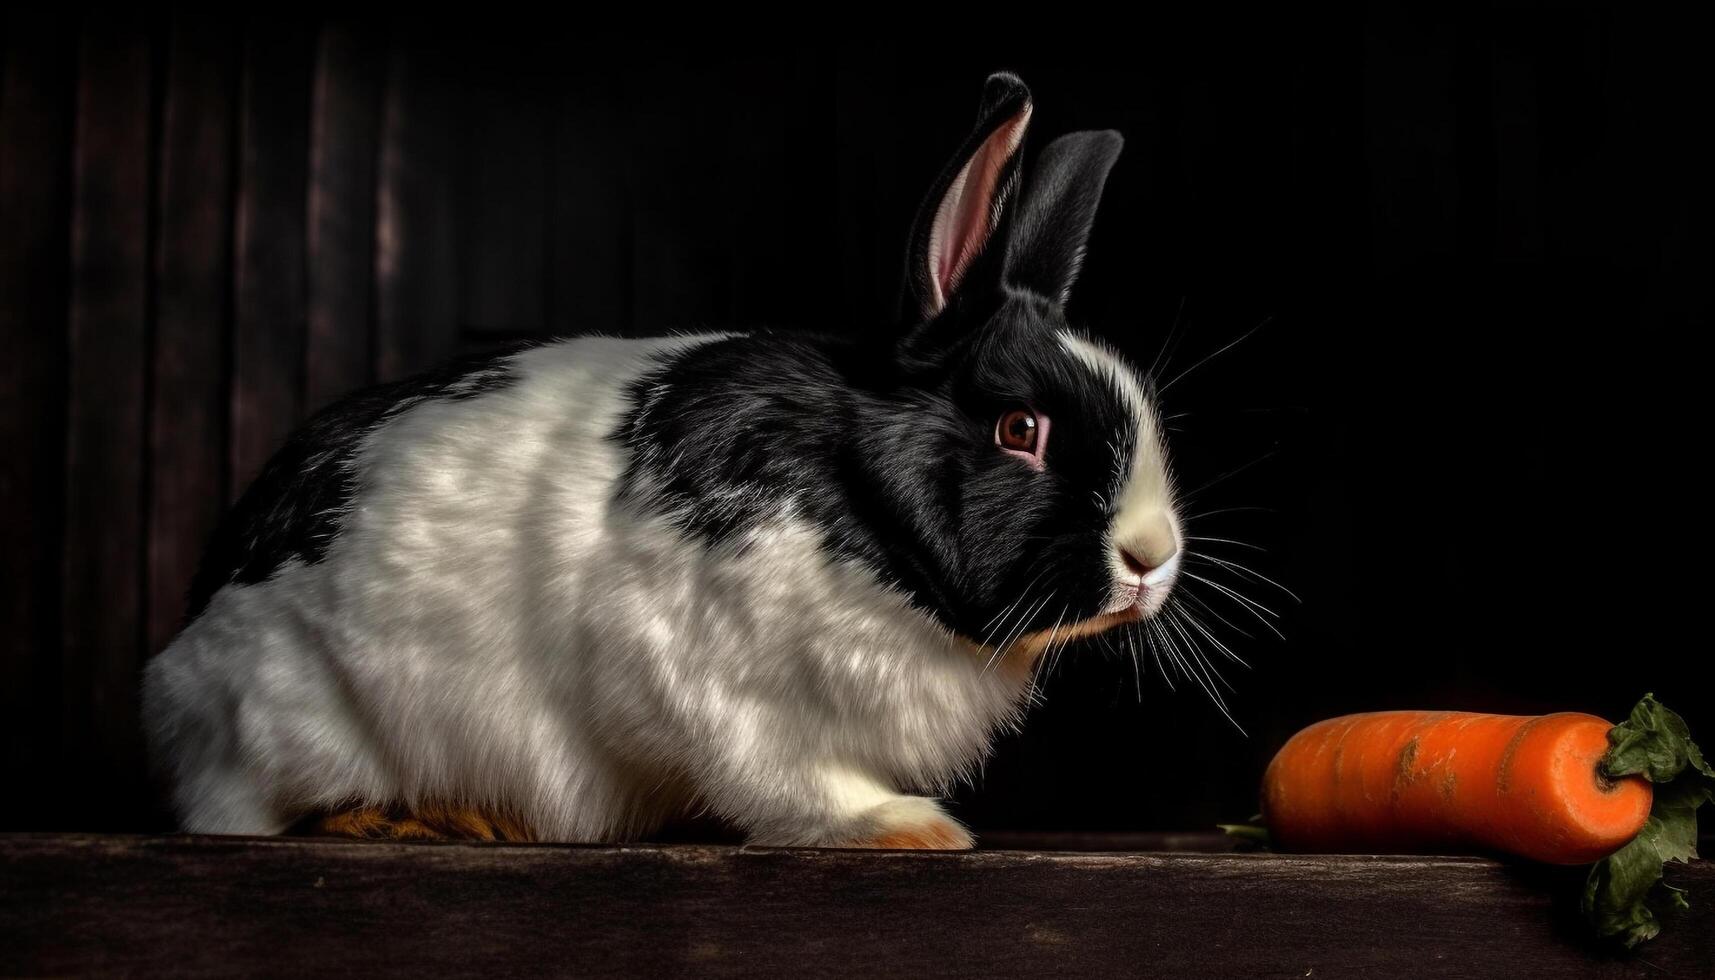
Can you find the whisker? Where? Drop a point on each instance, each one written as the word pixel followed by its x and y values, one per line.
pixel 1234 472
pixel 1174 654
pixel 1228 510
pixel 1199 627
pixel 989 630
pixel 1164 356
pixel 1049 646
pixel 1153 637
pixel 999 650
pixel 1234 343
pixel 1185 592
pixel 1001 653
pixel 1180 621
pixel 1208 688
pixel 1194 654
pixel 1256 609
pixel 1233 594
pixel 1243 570
pixel 1241 544
pixel 1136 667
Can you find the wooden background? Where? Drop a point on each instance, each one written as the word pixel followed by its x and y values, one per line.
pixel 1480 238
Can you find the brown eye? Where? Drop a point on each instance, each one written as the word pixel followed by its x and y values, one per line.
pixel 1017 431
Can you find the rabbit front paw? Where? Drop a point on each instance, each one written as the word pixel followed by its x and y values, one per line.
pixel 925 827
pixel 906 822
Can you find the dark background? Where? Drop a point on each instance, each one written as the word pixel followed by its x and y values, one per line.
pixel 1467 437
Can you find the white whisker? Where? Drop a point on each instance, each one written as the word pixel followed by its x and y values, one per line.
pixel 1244 570
pixel 1207 686
pixel 1241 544
pixel 1153 637
pixel 1199 627
pixel 1185 592
pixel 1234 343
pixel 1255 608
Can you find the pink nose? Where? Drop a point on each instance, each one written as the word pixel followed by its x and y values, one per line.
pixel 1138 566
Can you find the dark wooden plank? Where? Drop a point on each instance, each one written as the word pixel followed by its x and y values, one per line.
pixel 36 108
pixel 345 139
pixel 416 263
pixel 193 296
pixel 506 141
pixel 201 906
pixel 270 308
pixel 103 551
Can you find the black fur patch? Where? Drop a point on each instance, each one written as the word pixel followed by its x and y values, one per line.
pixel 898 471
pixel 295 506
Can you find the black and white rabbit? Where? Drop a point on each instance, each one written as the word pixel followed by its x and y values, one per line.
pixel 600 583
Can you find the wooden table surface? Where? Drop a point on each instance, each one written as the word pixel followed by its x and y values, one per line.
pixel 81 905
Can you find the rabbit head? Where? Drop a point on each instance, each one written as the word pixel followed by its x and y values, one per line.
pixel 1028 458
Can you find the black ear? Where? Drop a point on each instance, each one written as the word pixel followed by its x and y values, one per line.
pixel 1052 225
pixel 967 202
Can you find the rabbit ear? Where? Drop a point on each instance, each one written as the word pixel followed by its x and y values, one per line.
pixel 1046 242
pixel 968 200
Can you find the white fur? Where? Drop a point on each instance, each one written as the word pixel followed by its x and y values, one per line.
pixel 1145 520
pixel 491 628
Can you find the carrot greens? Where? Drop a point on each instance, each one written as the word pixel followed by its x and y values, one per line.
pixel 1622 887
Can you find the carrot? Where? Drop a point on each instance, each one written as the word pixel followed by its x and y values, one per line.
pixel 1408 781
pixel 1563 788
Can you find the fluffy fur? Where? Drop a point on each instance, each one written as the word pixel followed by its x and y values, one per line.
pixel 598 583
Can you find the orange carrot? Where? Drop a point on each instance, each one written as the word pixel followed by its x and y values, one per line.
pixel 1405 781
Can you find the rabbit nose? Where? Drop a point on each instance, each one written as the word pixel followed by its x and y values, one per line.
pixel 1140 565
pixel 1146 553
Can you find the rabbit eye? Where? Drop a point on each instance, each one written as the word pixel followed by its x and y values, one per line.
pixel 1023 433
pixel 1017 430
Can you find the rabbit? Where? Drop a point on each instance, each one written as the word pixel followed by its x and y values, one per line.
pixel 590 586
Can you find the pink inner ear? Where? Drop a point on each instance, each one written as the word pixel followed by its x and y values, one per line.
pixel 966 214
